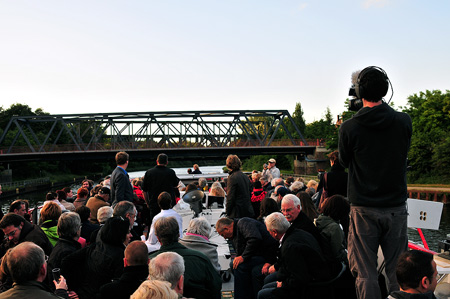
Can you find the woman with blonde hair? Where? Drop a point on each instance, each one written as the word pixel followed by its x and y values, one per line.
pixel 155 289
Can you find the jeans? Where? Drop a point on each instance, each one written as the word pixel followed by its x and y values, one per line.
pixel 243 282
pixel 371 227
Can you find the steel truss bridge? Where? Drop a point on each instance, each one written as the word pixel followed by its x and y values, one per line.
pixel 201 134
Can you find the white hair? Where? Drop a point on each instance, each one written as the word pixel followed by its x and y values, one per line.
pixel 296 186
pixel 199 226
pixel 291 198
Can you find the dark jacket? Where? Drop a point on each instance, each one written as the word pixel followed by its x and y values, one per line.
pixel 127 284
pixel 239 191
pixel 63 248
pixel 374 144
pixel 301 263
pixel 201 280
pixel 304 223
pixel 403 295
pixel 251 238
pixel 87 228
pixel 30 233
pixel 87 269
pixel 156 180
pixel 334 235
pixel 121 188
pixel 337 180
pixel 33 290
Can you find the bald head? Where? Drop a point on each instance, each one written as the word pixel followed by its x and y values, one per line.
pixel 136 254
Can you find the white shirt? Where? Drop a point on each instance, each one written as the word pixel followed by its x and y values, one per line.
pixel 152 242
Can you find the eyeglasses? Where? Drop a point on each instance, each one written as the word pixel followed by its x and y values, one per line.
pixel 286 210
pixel 10 234
pixel 46 258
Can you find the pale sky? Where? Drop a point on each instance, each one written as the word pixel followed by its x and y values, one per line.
pixel 175 55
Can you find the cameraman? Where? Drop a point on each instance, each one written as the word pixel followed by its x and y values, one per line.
pixel 374 146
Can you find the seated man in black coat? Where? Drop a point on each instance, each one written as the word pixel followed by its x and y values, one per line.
pixel 301 262
pixel 18 230
pixel 69 228
pixel 134 273
pixel 254 248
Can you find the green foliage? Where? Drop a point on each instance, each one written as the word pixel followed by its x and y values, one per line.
pixel 299 121
pixel 430 145
pixel 323 129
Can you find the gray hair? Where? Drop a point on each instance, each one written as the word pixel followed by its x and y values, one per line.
pixel 296 186
pixel 104 213
pixel 199 226
pixel 25 261
pixel 167 266
pixel 123 207
pixel 202 182
pixel 291 198
pixel 68 225
pixel 276 182
pixel 277 221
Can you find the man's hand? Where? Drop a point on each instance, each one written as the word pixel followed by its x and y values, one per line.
pixel 279 284
pixel 61 284
pixel 237 261
pixel 265 269
pixel 272 269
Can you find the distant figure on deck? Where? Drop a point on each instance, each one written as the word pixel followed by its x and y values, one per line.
pixel 239 190
pixel 82 197
pixel 121 188
pixel 335 181
pixel 62 197
pixel 196 169
pixel 156 180
pixel 99 200
pixel 274 171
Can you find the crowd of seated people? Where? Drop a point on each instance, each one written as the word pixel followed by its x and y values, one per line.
pixel 287 248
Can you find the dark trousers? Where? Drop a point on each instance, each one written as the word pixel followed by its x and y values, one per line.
pixel 369 228
pixel 244 284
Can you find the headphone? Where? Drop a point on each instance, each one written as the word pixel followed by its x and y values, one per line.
pixel 360 90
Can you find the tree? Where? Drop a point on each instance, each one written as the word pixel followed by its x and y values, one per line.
pixel 323 129
pixel 430 115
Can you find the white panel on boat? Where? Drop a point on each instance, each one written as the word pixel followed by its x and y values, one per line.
pixel 424 214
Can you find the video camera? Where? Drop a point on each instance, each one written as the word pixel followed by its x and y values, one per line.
pixel 354 104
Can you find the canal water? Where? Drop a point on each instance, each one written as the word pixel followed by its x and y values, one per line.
pixel 432 236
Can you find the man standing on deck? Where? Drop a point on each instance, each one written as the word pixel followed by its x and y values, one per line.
pixel 156 180
pixel 121 188
pixel 274 171
pixel 373 144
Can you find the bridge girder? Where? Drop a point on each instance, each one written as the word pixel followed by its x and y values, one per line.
pixel 147 130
